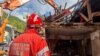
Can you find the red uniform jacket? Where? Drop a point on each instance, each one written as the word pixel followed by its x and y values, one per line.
pixel 29 44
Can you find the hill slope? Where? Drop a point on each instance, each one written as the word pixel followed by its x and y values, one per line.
pixel 16 22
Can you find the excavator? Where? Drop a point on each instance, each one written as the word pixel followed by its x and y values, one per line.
pixel 6 4
pixel 2 29
pixel 3 24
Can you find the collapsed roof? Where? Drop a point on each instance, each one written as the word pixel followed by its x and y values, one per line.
pixel 75 17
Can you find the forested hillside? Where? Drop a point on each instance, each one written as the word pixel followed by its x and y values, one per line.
pixel 15 22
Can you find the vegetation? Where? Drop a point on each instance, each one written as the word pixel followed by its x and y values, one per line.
pixel 15 22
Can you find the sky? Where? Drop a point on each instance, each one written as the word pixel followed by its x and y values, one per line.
pixel 1 1
pixel 40 8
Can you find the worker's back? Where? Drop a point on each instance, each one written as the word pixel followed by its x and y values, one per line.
pixel 28 44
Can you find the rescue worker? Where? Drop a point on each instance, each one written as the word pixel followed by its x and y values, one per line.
pixel 30 43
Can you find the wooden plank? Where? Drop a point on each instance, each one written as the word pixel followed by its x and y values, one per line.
pixel 77 25
pixel 95 42
pixel 84 17
pixel 61 15
pixel 89 11
pixel 65 37
pixel 84 3
pixel 96 13
pixel 69 31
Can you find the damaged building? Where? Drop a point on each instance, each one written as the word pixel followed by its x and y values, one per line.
pixel 78 36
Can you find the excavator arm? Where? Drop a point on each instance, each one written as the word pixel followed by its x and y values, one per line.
pixel 2 29
pixel 52 3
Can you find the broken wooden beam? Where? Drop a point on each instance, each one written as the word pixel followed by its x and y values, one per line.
pixel 84 17
pixel 89 11
pixel 96 13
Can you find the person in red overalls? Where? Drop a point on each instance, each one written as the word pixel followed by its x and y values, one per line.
pixel 30 43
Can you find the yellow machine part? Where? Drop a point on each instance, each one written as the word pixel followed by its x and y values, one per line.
pixel 2 52
pixel 2 29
